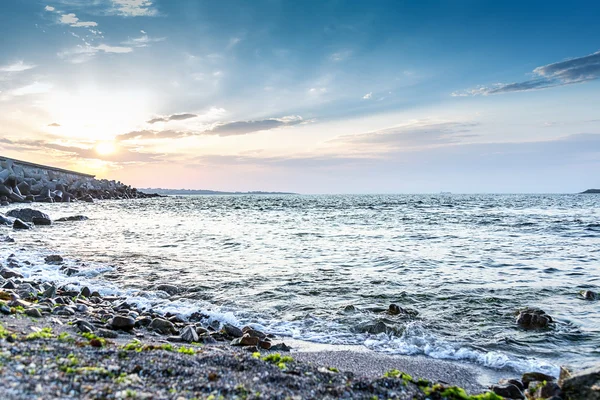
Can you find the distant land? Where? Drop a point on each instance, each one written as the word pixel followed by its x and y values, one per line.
pixel 591 191
pixel 179 192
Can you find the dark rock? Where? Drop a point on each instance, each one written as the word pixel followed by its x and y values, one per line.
pixel 73 218
pixel 143 321
pixel 6 239
pixel 84 326
pixel 373 328
pixel 517 383
pixel 105 333
pixel 350 309
pixel 245 340
pixel 233 331
pixel 4 309
pixel 529 377
pixel 5 221
pixel 549 389
pixel 18 224
pixel 584 385
pixel 162 326
pixel 508 391
pixel 281 347
pixel 30 215
pixel 50 292
pixel 534 319
pixel 123 323
pixel 33 312
pixel 201 331
pixel 9 285
pixel 263 344
pixel 54 259
pixel 9 273
pixel 170 289
pixel 64 311
pixel 188 334
pixel 86 292
pixel 589 295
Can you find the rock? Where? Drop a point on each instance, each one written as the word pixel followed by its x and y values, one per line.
pixel 4 309
pixel 529 377
pixel 233 331
pixel 64 311
pixel 162 326
pixel 263 344
pixel 372 328
pixel 73 218
pixel 30 215
pixel 564 375
pixel 54 259
pixel 584 385
pixel 188 334
pixel 88 199
pixel 170 289
pixel 6 239
pixel 33 312
pixel 143 321
pixel 84 326
pixel 545 391
pixel 517 383
pixel 18 224
pixel 281 347
pixel 9 273
pixel 5 221
pixel 86 292
pixel 589 295
pixel 105 333
pixel 508 391
pixel 245 340
pixel 123 323
pixel 534 319
pixel 350 309
pixel 50 292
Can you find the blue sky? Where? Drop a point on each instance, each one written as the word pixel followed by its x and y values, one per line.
pixel 307 96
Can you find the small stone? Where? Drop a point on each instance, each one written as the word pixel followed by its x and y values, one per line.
pixel 105 333
pixel 54 259
pixel 9 285
pixel 86 292
pixel 7 273
pixel 263 344
pixel 508 391
pixel 73 218
pixel 33 312
pixel 529 377
pixel 123 323
pixel 143 321
pixel 547 390
pixel 233 331
pixel 162 326
pixel 281 347
pixel 254 332
pixel 84 326
pixel 4 309
pixel 170 289
pixel 64 311
pixel 350 309
pixel 188 334
pixel 50 292
pixel 245 340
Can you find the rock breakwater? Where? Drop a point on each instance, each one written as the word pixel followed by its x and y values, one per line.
pixel 24 182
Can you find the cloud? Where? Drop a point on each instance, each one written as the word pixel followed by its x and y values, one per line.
pixel 83 53
pixel 18 66
pixel 32 88
pixel 134 8
pixel 49 8
pixel 72 20
pixel 121 155
pixel 341 55
pixel 417 134
pixel 317 90
pixel 568 72
pixel 54 124
pixel 233 41
pixel 174 117
pixel 142 41
pixel 235 128
pixel 368 96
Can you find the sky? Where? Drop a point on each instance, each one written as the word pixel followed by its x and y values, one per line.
pixel 327 96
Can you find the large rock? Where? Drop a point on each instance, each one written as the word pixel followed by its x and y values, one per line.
pixel 534 319
pixel 123 322
pixel 188 334
pixel 373 328
pixel 5 221
pixel 30 215
pixel 583 386
pixel 162 326
pixel 18 224
pixel 589 295
pixel 508 391
pixel 73 218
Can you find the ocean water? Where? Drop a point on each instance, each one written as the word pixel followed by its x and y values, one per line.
pixel 292 264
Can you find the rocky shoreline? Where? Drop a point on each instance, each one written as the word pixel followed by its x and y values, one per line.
pixel 60 342
pixel 22 182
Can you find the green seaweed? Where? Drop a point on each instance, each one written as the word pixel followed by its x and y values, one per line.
pixel 45 333
pixel 186 350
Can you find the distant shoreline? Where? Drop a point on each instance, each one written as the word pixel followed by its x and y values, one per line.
pixel 179 192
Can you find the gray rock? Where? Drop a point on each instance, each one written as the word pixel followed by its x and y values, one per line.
pixel 9 273
pixel 281 347
pixel 584 385
pixel 4 309
pixel 372 328
pixel 6 239
pixel 534 319
pixel 529 377
pixel 54 259
pixel 162 326
pixel 589 295
pixel 5 221
pixel 170 289
pixel 105 333
pixel 18 224
pixel 508 391
pixel 30 215
pixel 33 312
pixel 64 311
pixel 233 331
pixel 547 390
pixel 84 326
pixel 50 292
pixel 188 334
pixel 122 322
pixel 73 218
pixel 245 340
pixel 86 292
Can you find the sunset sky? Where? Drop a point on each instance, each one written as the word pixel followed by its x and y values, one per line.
pixel 306 96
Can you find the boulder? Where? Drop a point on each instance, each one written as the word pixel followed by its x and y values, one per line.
pixel 589 295
pixel 7 273
pixel 373 328
pixel 30 215
pixel 533 319
pixel 170 289
pixel 18 224
pixel 233 331
pixel 5 221
pixel 584 385
pixel 508 391
pixel 188 334
pixel 54 259
pixel 529 377
pixel 245 340
pixel 73 218
pixel 162 326
pixel 122 322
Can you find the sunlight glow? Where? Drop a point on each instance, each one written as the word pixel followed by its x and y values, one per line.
pixel 106 148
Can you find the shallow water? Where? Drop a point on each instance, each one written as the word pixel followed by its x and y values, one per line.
pixel 291 264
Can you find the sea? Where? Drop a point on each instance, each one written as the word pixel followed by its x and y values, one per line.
pixel 316 267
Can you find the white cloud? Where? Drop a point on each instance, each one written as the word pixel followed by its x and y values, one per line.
pixel 84 53
pixel 368 96
pixel 19 66
pixel 317 90
pixel 341 55
pixel 142 41
pixel 72 20
pixel 33 88
pixel 134 8
pixel 233 41
pixel 113 49
pixel 49 8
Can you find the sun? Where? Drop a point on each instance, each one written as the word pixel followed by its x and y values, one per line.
pixel 105 148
